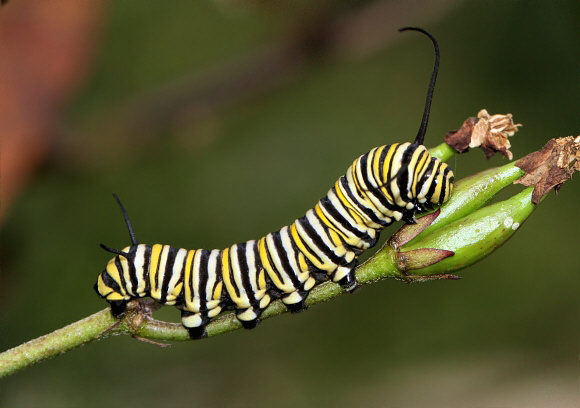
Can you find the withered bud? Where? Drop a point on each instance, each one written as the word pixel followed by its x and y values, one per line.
pixel 490 132
pixel 551 166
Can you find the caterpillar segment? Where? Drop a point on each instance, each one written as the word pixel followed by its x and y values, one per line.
pixel 203 290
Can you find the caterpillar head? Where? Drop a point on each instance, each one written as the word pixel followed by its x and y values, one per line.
pixel 111 283
pixel 435 184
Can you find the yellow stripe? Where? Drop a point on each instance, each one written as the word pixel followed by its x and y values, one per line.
pixel 412 170
pixel 104 290
pixel 386 171
pixel 264 254
pixel 114 272
pixel 338 247
pixel 155 253
pixel 116 296
pixel 354 214
pixel 262 280
pixel 346 235
pixel 126 273
pixel 437 192
pixel 302 262
pixel 187 277
pixel 175 293
pixel 352 211
pixel 262 249
pixel 326 221
pixel 419 171
pixel 303 248
pixel 217 293
pixel 226 276
pixel 414 165
pixel 347 204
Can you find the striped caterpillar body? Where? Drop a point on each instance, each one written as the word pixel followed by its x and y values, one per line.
pixel 387 184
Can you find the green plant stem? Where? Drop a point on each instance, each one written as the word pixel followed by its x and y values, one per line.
pixel 59 341
pixel 443 152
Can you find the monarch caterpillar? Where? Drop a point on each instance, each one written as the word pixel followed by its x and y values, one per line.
pixel 387 184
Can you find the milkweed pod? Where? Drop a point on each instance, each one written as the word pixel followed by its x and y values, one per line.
pixel 474 236
pixel 472 193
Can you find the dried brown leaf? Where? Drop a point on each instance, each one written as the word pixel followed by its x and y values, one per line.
pixel 551 166
pixel 459 139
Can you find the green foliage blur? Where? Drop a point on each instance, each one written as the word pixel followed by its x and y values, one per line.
pixel 507 329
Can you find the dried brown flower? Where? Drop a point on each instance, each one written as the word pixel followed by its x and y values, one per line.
pixel 490 132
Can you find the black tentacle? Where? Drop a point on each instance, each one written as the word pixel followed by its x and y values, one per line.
pixel 423 128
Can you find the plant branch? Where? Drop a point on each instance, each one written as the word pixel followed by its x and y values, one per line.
pixel 411 248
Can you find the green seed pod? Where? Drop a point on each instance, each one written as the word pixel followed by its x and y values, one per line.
pixel 472 237
pixel 472 193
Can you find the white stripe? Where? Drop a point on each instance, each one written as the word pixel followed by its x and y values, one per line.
pixel 194 303
pixel 361 202
pixel 177 274
pixel 139 269
pixel 287 285
pixel 254 271
pixel 212 280
pixel 287 244
pixel 244 301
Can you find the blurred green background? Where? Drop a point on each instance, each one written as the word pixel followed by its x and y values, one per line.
pixel 203 160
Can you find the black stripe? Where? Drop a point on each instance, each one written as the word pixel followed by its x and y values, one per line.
pixel 119 267
pixel 422 170
pixel 171 253
pixel 283 256
pixel 365 210
pixel 203 274
pixel 110 282
pixel 316 240
pixel 403 179
pixel 426 175
pixel 230 271
pixel 259 266
pixel 339 218
pixel 146 266
pixel 387 176
pixel 445 176
pixel 362 164
pixel 132 271
pixel 219 275
pixel 372 157
pixel 382 158
pixel 418 170
pixel 306 244
pixel 245 271
pixel 375 191
pixel 433 186
pixel 270 259
pixel 181 295
pixel 451 178
pixel 156 280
